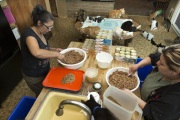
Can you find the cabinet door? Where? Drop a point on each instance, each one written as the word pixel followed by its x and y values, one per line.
pixel 21 9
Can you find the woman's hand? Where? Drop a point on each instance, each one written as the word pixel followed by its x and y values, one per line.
pixel 59 49
pixel 141 103
pixel 60 56
pixel 133 69
pixel 56 49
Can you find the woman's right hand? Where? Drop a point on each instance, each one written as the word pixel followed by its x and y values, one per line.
pixel 133 69
pixel 60 56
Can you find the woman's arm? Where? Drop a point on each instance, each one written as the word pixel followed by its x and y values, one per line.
pixel 56 49
pixel 142 63
pixel 41 53
pixel 141 103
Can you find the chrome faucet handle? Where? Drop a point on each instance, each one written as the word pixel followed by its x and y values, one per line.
pixel 59 111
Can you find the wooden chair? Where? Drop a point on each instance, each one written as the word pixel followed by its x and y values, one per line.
pixel 161 5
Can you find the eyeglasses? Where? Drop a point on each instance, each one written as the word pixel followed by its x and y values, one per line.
pixel 48 27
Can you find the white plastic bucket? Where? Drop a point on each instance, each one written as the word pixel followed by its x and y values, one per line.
pixel 104 59
pixel 128 104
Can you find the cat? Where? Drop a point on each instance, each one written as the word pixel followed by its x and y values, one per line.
pixel 150 37
pixel 160 47
pixel 81 15
pixel 116 13
pixel 117 32
pixel 154 14
pixel 98 112
pixel 96 19
pixel 167 23
pixel 91 31
pixel 154 24
pixel 147 35
pixel 129 26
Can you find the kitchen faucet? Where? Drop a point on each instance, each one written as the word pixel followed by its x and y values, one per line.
pixel 59 111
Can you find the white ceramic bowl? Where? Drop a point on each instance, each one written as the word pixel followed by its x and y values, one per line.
pixel 109 72
pixel 77 65
pixel 104 59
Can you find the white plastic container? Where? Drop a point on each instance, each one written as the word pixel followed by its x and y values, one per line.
pixel 91 75
pixel 123 69
pixel 77 65
pixel 104 59
pixel 128 104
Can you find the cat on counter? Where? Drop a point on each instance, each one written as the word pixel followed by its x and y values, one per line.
pixel 81 15
pixel 116 13
pixel 98 112
pixel 96 18
pixel 126 29
pixel 90 31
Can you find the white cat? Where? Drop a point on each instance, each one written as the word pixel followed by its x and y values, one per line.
pixel 118 32
pixel 154 24
pixel 147 35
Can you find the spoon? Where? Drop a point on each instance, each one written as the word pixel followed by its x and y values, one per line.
pixel 129 75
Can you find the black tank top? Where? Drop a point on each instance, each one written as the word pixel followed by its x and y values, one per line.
pixel 32 66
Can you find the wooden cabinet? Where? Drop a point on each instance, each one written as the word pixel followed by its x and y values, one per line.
pixel 21 10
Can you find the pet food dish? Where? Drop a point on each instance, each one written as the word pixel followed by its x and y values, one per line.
pixel 75 65
pixel 119 78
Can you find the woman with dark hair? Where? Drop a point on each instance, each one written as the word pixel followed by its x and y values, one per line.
pixel 163 97
pixel 36 51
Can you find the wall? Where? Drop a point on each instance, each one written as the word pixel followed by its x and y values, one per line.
pixel 21 10
pixel 92 8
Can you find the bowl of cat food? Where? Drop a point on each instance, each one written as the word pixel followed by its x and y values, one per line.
pixel 74 58
pixel 120 78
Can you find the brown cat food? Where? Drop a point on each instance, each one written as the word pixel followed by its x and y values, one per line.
pixel 69 78
pixel 121 80
pixel 112 99
pixel 72 57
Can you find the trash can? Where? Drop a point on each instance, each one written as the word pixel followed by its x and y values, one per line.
pixel 22 108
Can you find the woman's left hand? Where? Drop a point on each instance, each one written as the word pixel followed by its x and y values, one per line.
pixel 59 49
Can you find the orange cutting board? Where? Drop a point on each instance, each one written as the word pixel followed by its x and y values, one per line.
pixel 55 75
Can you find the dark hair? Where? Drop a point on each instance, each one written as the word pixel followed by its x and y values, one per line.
pixel 40 14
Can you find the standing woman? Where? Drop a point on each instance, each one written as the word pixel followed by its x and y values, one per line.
pixel 35 50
